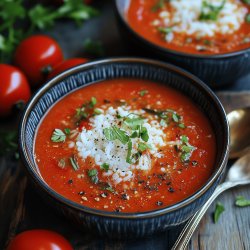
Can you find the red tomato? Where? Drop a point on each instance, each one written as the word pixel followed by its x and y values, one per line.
pixel 36 55
pixel 14 88
pixel 66 65
pixel 39 240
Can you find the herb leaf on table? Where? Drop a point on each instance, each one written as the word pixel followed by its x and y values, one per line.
pixel 18 22
pixel 219 209
pixel 241 201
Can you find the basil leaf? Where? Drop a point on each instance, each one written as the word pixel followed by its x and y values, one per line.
pixel 143 146
pixel 128 159
pixel 113 133
pixel 242 202
pixel 219 209
pixel 144 134
pixel 133 123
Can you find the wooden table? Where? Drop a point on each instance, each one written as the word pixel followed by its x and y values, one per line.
pixel 22 209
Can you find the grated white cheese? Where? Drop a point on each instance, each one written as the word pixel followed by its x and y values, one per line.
pixel 92 143
pixel 183 16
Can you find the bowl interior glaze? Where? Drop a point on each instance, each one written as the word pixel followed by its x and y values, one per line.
pixel 136 68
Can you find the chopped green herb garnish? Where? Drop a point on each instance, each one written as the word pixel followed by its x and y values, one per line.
pixel 92 102
pixel 246 1
pixel 143 146
pixel 106 186
pixel 143 92
pixel 186 149
pixel 165 30
pixel 207 42
pixel 242 201
pixel 92 173
pixel 97 111
pixel 113 133
pixel 74 163
pixel 133 123
pixel 248 18
pixel 184 138
pixel 134 134
pixel 58 136
pixel 175 117
pixel 61 163
pixel 211 12
pixel 144 134
pixel 128 158
pixel 159 5
pixel 105 166
pixel 163 123
pixel 181 125
pixel 219 209
pixel 81 114
pixel 67 131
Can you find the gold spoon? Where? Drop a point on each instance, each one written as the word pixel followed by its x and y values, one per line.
pixel 238 175
pixel 239 123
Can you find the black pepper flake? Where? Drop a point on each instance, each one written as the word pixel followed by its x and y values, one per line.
pixel 194 163
pixel 168 183
pixel 81 193
pixel 106 101
pixel 159 203
pixel 118 210
pixel 70 181
pixel 124 197
pixel 171 190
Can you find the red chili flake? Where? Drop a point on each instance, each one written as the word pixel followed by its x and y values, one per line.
pixel 85 124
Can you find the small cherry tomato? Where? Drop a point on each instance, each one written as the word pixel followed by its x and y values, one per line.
pixel 39 240
pixel 14 88
pixel 66 65
pixel 36 55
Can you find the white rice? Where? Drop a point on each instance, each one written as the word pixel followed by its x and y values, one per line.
pixel 183 17
pixel 92 143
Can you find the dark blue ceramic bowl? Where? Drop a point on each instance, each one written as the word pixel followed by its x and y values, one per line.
pixel 215 70
pixel 111 224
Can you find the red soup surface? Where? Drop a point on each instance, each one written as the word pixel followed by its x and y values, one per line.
pixel 196 27
pixel 125 146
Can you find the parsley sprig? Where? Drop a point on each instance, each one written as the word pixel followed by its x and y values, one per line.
pixel 58 135
pixel 18 22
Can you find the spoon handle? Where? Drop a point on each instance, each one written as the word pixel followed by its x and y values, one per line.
pixel 192 224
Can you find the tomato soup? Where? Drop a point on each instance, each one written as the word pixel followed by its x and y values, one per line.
pixel 195 27
pixel 125 146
